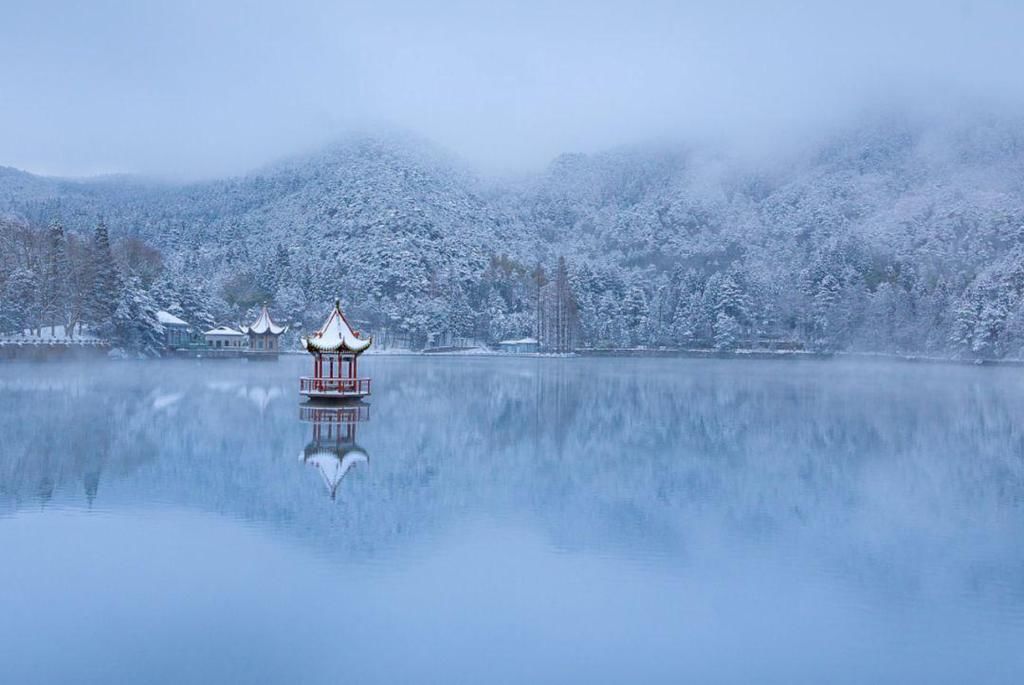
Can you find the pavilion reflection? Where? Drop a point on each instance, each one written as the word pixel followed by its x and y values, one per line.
pixel 333 450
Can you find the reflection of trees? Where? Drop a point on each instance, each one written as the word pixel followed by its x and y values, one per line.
pixel 56 436
pixel 70 428
pixel 877 469
pixel 862 462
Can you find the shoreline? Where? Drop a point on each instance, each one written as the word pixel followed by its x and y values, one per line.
pixel 72 353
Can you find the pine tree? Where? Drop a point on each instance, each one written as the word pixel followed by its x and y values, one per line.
pixel 727 331
pixel 826 321
pixel 18 301
pixel 290 302
pixel 103 299
pixel 281 267
pixel 196 306
pixel 135 324
pixel 731 312
pixel 637 314
pixel 459 314
pixel 964 323
pixel 540 280
pixel 565 310
pixel 662 309
pixel 494 317
pixel 54 286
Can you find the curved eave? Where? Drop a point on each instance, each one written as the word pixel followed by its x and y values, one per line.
pixel 264 325
pixel 347 456
pixel 312 346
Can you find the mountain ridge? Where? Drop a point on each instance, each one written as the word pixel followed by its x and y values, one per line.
pixel 882 238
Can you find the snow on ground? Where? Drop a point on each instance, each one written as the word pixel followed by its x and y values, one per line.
pixel 50 335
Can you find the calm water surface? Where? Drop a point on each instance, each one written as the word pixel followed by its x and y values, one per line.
pixel 490 520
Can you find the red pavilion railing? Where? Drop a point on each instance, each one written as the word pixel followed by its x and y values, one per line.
pixel 340 386
pixel 334 415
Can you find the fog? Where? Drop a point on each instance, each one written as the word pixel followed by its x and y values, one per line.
pixel 195 89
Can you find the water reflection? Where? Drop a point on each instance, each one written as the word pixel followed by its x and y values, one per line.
pixel 870 471
pixel 652 514
pixel 333 450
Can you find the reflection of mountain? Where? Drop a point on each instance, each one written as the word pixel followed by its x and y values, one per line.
pixel 905 471
pixel 333 450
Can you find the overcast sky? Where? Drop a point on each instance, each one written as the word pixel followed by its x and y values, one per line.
pixel 199 89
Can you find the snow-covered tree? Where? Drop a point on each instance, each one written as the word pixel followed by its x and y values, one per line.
pixel 136 328
pixel 637 315
pixel 103 294
pixel 727 331
pixel 18 301
pixel 54 286
pixel 866 243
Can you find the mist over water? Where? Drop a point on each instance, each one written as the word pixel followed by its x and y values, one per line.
pixel 837 521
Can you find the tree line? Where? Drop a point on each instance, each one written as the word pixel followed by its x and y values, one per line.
pixel 846 298
pixel 60 283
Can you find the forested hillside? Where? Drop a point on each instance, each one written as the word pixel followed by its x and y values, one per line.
pixel 893 236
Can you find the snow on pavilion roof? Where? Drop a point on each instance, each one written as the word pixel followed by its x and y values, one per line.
pixel 334 464
pixel 336 335
pixel 264 324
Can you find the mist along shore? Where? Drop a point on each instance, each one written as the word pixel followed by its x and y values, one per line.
pixel 44 353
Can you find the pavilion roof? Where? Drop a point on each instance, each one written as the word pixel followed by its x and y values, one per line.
pixel 333 464
pixel 264 324
pixel 336 335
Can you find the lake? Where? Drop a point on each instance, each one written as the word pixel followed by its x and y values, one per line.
pixel 513 520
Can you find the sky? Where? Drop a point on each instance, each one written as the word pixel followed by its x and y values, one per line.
pixel 189 89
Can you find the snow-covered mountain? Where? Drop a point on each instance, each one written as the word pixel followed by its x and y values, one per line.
pixel 891 236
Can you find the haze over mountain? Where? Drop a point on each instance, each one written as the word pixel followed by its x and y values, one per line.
pixel 207 90
pixel 736 174
pixel 901 235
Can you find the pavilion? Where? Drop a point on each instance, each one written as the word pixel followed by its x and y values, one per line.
pixel 263 336
pixel 335 349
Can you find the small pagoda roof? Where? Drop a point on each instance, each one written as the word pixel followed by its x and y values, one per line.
pixel 336 335
pixel 223 330
pixel 264 324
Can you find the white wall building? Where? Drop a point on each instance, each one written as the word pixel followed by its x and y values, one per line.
pixel 521 346
pixel 222 337
pixel 176 331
